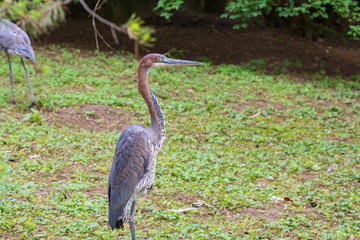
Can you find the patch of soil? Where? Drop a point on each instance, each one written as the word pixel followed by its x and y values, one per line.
pixel 97 191
pixel 44 191
pixel 196 37
pixel 99 117
pixel 271 214
pixel 259 104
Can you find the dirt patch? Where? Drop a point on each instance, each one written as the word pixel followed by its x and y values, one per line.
pixel 271 214
pixel 259 104
pixel 92 117
pixel 7 235
pixel 279 49
pixel 8 114
pixel 44 191
pixel 97 191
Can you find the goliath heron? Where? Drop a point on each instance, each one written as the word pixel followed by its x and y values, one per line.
pixel 13 40
pixel 133 169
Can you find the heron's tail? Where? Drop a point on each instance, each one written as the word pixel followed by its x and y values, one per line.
pixel 119 224
pixel 115 219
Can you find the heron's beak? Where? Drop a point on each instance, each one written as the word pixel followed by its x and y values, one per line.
pixel 176 62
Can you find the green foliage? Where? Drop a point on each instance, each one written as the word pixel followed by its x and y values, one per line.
pixel 238 142
pixel 140 33
pixel 348 10
pixel 345 12
pixel 35 17
pixel 247 9
pixel 3 167
pixel 35 117
pixel 166 6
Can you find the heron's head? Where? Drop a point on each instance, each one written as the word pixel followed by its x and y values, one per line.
pixel 158 60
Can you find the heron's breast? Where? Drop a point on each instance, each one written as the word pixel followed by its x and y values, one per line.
pixel 149 177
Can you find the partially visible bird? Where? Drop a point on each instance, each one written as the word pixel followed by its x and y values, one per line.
pixel 133 169
pixel 13 40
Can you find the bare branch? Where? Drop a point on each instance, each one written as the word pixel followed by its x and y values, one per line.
pixel 113 33
pixel 66 2
pixel 97 32
pixel 95 29
pixel 113 27
pixel 107 44
pixel 92 13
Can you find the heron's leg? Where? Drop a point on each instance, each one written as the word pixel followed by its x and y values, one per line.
pixel 31 92
pixel 11 78
pixel 132 220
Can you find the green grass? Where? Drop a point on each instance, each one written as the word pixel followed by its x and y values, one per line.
pixel 238 144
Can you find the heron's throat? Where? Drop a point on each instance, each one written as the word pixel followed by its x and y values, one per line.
pixel 156 115
pixel 158 123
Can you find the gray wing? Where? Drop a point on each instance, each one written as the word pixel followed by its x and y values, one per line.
pixel 131 160
pixel 15 40
pixel 8 34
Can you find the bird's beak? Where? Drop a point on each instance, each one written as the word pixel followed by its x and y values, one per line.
pixel 177 62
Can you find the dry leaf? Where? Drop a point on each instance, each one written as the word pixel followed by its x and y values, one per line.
pixel 287 199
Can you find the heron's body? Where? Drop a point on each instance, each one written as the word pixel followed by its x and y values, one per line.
pixel 133 169
pixel 132 172
pixel 14 41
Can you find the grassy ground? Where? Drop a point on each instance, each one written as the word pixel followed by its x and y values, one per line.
pixel 247 155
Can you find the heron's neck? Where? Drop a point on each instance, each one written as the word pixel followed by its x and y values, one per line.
pixel 156 115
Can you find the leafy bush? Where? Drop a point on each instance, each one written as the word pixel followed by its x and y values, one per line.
pixel 310 11
pixel 35 17
pixel 313 15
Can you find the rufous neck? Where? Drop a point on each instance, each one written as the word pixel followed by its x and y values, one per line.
pixel 157 120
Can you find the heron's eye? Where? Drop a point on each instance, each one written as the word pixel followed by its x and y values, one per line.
pixel 158 60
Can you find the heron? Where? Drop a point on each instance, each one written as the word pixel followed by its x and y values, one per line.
pixel 132 172
pixel 13 40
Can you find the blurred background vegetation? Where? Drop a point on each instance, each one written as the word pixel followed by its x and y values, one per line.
pixel 311 18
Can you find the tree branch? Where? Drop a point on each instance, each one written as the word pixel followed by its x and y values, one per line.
pixel 66 2
pixel 112 25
